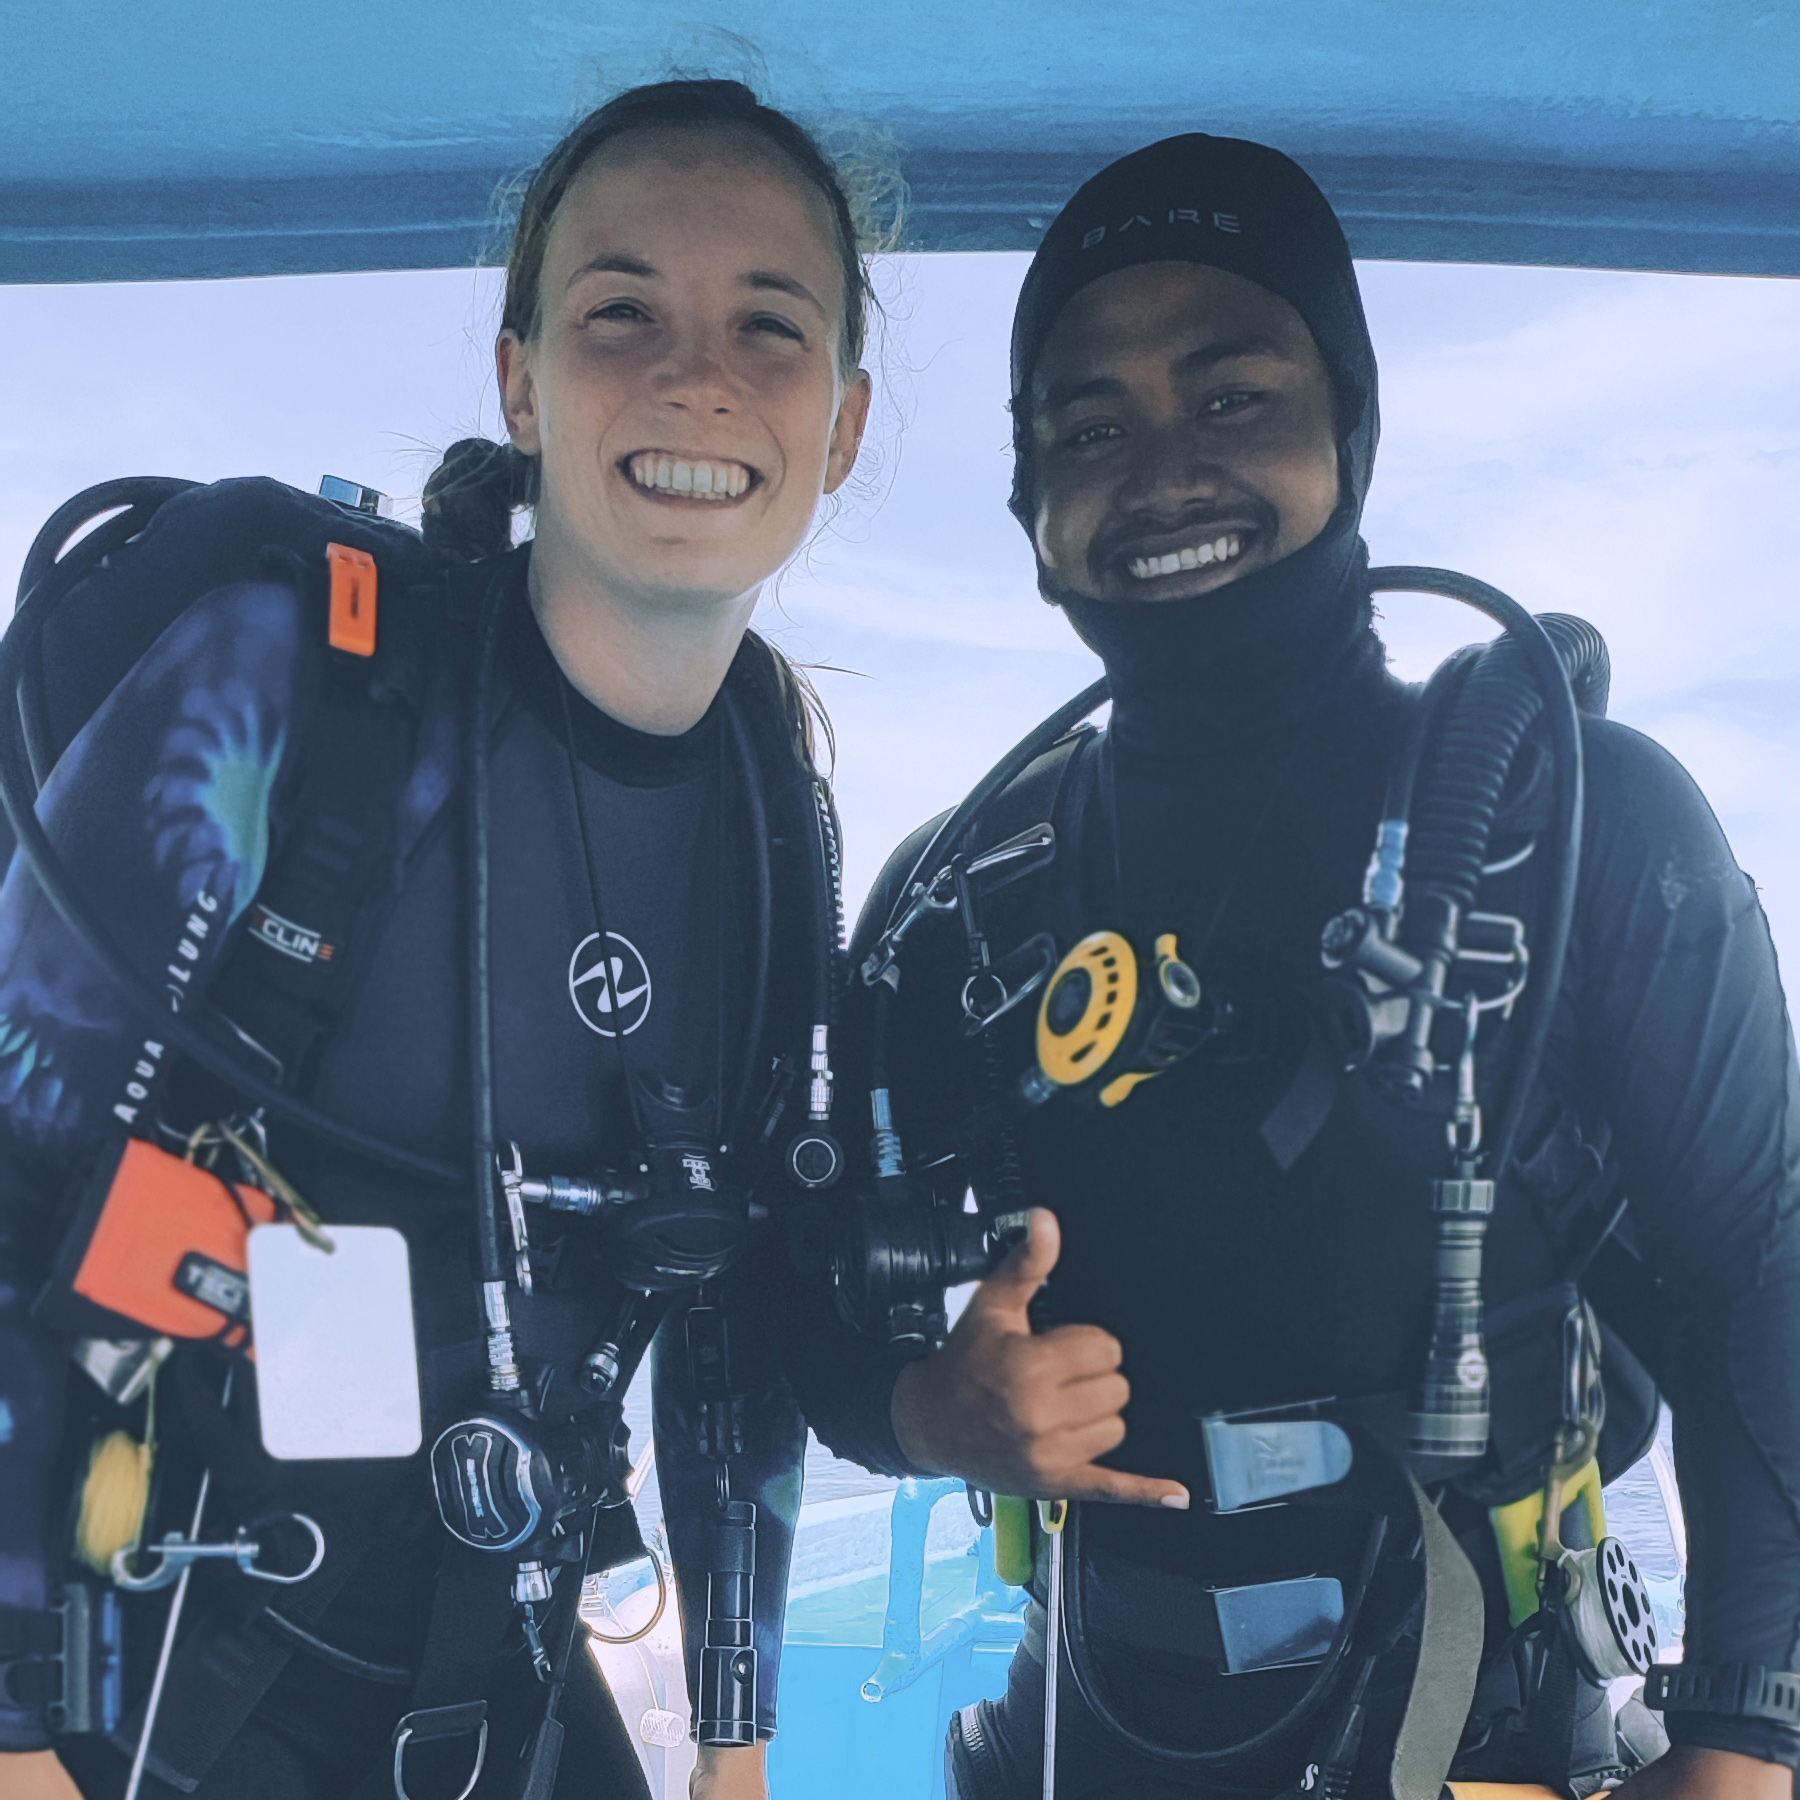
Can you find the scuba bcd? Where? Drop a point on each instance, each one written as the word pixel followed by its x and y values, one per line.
pixel 946 878
pixel 1410 977
pixel 538 1473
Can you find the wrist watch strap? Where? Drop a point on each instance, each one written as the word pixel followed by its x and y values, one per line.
pixel 1730 1690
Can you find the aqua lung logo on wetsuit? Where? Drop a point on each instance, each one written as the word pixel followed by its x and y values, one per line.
pixel 177 974
pixel 1176 217
pixel 611 992
pixel 300 942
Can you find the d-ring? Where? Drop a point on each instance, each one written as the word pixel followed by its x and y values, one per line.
pixel 441 1722
pixel 250 1550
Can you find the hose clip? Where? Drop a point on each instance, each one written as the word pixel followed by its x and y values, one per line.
pixel 176 1553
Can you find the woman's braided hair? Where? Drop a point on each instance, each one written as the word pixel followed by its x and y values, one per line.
pixel 472 495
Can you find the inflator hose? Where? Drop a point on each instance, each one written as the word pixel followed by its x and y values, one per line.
pixel 763 892
pixel 1455 808
pixel 139 496
pixel 489 1255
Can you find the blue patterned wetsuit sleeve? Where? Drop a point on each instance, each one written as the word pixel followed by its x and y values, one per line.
pixel 161 810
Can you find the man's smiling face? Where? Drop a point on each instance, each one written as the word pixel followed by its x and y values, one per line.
pixel 1183 434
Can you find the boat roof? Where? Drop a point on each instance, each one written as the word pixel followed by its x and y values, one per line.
pixel 205 138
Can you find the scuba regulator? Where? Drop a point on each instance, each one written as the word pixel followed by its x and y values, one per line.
pixel 1108 1021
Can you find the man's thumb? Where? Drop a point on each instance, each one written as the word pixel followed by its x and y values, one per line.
pixel 1008 1291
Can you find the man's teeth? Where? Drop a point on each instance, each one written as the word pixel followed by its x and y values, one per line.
pixel 1221 549
pixel 703 480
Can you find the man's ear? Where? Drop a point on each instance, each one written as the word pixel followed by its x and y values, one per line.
pixel 847 430
pixel 518 392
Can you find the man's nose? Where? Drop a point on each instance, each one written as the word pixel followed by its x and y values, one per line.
pixel 1167 471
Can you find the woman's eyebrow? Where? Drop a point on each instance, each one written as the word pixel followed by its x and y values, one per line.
pixel 610 262
pixel 773 280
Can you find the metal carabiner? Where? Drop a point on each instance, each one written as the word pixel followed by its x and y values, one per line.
pixel 176 1553
pixel 1578 1436
pixel 936 895
pixel 512 1185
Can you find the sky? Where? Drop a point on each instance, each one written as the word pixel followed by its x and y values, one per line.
pixel 1625 447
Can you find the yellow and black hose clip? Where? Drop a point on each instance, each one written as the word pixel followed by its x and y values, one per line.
pixel 1106 1023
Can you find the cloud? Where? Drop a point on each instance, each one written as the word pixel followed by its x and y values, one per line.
pixel 1626 447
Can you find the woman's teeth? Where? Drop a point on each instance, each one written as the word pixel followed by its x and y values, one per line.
pixel 1221 549
pixel 703 480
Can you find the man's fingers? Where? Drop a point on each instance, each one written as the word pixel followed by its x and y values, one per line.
pixel 1008 1291
pixel 1079 1352
pixel 1083 1403
pixel 1117 1488
pixel 1082 1444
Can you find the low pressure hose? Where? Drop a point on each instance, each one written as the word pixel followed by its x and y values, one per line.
pixel 503 1369
pixel 1460 793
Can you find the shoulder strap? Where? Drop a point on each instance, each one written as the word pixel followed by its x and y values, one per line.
pixel 1062 789
pixel 302 945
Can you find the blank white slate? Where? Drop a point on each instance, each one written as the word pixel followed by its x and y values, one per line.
pixel 337 1366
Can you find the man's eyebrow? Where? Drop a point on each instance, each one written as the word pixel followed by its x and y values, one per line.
pixel 1195 362
pixel 615 263
pixel 772 280
pixel 1096 387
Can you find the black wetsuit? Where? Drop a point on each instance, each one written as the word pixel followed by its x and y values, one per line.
pixel 1234 802
pixel 177 797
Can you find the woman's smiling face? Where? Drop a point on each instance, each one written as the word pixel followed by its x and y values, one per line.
pixel 682 387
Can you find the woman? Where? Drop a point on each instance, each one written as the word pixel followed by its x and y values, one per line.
pixel 678 363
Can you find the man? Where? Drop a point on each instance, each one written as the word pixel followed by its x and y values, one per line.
pixel 1194 394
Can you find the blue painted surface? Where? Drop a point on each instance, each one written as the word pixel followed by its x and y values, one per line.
pixel 894 1748
pixel 206 137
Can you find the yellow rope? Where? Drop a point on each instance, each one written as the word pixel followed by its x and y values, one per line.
pixel 116 1493
pixel 113 1499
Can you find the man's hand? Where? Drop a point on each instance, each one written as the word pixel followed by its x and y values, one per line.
pixel 1018 1414
pixel 35 1775
pixel 731 1772
pixel 1686 1773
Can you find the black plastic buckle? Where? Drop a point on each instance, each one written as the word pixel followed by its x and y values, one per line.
pixel 437 1722
pixel 1731 1690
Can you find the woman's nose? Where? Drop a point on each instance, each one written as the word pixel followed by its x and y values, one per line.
pixel 693 377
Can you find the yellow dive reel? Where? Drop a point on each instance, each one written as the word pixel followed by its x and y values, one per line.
pixel 1107 1025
